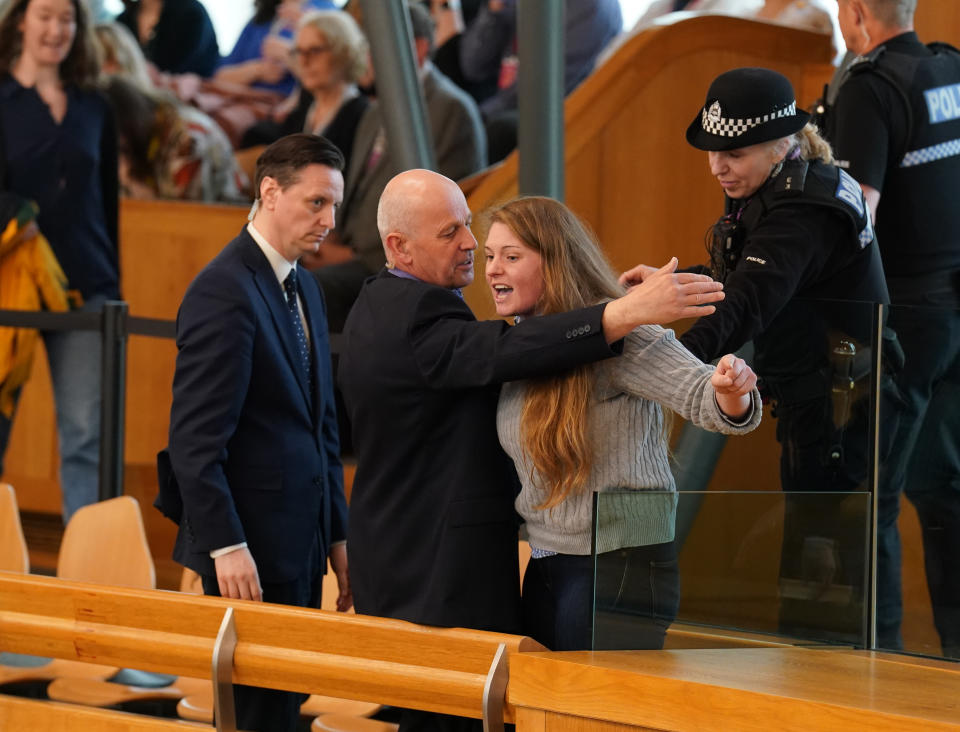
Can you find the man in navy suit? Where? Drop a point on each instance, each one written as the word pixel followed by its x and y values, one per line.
pixel 253 433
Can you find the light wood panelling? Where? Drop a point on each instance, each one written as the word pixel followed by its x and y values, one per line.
pixel 744 689
pixel 938 20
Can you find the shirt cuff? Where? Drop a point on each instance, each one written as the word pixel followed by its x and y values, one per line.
pixel 227 549
pixel 337 543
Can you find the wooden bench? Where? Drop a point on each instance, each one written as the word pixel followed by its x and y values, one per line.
pixel 452 671
pixel 33 715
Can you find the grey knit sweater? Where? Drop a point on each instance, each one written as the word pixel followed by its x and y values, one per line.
pixel 626 427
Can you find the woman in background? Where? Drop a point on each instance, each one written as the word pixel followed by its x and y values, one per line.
pixel 176 36
pixel 121 54
pixel 261 55
pixel 598 428
pixel 329 56
pixel 171 150
pixel 57 148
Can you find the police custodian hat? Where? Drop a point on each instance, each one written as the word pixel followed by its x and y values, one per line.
pixel 745 107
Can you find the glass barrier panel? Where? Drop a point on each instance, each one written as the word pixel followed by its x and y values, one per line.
pixel 815 362
pixel 918 514
pixel 743 568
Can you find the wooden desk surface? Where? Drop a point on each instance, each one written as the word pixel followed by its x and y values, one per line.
pixel 743 689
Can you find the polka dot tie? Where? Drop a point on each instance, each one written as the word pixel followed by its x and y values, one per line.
pixel 290 288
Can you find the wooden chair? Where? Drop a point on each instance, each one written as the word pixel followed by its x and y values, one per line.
pixel 190 582
pixel 103 543
pixel 247 160
pixel 13 547
pixel 99 693
pixel 199 707
pixel 345 723
pixel 47 716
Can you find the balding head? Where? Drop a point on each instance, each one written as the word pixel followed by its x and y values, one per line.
pixel 866 24
pixel 424 224
pixel 893 13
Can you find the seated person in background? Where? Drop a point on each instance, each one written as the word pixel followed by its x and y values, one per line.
pixel 488 52
pixel 171 150
pixel 329 55
pixel 452 17
pixel 599 427
pixel 353 252
pixel 176 35
pixel 122 55
pixel 261 55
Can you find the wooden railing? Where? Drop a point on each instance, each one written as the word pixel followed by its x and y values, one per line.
pixel 451 671
pixel 448 670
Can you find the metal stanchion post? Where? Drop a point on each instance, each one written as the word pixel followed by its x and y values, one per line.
pixel 113 397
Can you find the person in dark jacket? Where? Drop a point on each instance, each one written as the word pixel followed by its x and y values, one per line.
pixel 895 124
pixel 176 36
pixel 801 269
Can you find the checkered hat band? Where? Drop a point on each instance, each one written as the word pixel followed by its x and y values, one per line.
pixel 724 127
pixel 931 154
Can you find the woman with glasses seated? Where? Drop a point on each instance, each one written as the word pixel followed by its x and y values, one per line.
pixel 261 56
pixel 329 56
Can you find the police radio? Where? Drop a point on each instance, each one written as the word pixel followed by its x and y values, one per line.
pixel 726 246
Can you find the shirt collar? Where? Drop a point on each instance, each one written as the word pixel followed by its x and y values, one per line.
pixel 402 274
pixel 278 263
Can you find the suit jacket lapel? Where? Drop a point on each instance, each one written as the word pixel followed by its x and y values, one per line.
pixel 272 293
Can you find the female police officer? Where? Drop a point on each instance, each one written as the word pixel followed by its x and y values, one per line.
pixel 796 237
pixel 796 233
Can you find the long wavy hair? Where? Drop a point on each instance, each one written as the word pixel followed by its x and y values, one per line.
pixel 554 422
pixel 81 67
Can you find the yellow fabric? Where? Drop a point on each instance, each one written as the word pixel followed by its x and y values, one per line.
pixel 30 279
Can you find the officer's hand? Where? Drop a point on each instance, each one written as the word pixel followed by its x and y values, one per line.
pixel 237 576
pixel 635 276
pixel 338 562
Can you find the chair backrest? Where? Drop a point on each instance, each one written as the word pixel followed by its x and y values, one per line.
pixel 190 582
pixel 13 547
pixel 105 543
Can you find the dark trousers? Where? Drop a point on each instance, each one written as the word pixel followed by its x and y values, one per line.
pixel 271 710
pixel 637 597
pixel 825 448
pixel 926 468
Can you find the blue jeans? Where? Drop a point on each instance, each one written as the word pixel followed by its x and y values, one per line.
pixel 74 358
pixel 637 597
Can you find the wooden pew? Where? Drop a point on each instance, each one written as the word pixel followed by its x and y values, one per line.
pixel 445 670
pixel 310 651
pixel 46 716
